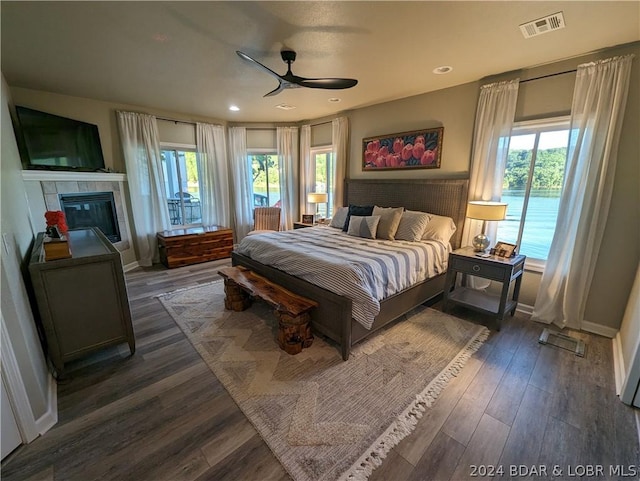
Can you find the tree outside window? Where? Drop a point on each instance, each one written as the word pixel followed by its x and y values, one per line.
pixel 265 176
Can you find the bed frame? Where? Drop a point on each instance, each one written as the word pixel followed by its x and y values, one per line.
pixel 332 318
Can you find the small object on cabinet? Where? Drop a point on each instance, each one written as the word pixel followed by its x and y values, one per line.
pixel 307 218
pixel 56 248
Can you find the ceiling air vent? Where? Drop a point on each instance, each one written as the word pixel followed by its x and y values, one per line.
pixel 285 107
pixel 542 25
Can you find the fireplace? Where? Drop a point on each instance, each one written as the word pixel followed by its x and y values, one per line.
pixel 91 209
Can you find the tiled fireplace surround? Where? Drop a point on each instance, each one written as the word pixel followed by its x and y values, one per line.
pixel 55 183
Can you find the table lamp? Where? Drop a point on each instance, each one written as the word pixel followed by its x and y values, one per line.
pixel 484 211
pixel 317 198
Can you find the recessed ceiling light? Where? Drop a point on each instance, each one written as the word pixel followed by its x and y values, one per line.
pixel 285 107
pixel 234 108
pixel 334 99
pixel 442 70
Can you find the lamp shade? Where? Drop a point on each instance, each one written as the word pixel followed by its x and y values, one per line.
pixel 317 198
pixel 486 210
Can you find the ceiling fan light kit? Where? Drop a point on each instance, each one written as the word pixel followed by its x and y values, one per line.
pixel 289 80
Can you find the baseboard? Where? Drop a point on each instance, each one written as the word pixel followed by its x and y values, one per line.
pixel 131 266
pixel 524 309
pixel 50 418
pixel 599 329
pixel 619 369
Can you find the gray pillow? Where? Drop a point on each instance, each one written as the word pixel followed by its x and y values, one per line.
pixel 389 221
pixel 412 225
pixel 363 226
pixel 339 217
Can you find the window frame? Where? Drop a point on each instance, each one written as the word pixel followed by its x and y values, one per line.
pixel 537 127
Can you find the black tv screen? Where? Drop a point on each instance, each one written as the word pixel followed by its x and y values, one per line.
pixel 58 143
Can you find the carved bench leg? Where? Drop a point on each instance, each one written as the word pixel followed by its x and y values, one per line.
pixel 235 298
pixel 294 333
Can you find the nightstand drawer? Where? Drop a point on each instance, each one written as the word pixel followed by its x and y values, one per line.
pixel 470 266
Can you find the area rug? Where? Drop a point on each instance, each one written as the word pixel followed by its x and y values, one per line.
pixel 326 419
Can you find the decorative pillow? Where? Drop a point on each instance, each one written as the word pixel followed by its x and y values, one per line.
pixel 412 225
pixel 389 221
pixel 361 226
pixel 362 210
pixel 339 217
pixel 439 228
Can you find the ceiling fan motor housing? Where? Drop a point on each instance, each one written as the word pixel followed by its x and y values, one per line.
pixel 288 56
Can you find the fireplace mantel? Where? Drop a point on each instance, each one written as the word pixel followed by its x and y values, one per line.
pixel 65 176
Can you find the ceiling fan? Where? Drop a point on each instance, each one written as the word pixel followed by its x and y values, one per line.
pixel 290 81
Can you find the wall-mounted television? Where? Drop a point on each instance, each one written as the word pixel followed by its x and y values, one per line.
pixel 57 143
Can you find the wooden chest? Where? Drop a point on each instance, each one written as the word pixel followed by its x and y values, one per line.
pixel 183 247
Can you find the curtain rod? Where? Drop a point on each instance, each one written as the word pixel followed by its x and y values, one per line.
pixel 550 75
pixel 176 120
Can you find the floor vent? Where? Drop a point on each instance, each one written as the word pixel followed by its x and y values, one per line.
pixel 542 25
pixel 563 341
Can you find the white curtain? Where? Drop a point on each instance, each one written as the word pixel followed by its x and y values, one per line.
pixel 306 170
pixel 597 110
pixel 287 145
pixel 494 120
pixel 214 196
pixel 241 182
pixel 141 149
pixel 340 151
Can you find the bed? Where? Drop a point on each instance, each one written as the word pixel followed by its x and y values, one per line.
pixel 333 318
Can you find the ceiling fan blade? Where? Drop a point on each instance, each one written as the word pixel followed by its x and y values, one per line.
pixel 328 83
pixel 244 56
pixel 275 91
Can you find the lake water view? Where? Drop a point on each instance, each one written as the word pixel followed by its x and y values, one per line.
pixel 542 213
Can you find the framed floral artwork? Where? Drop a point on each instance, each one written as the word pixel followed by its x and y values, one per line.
pixel 419 149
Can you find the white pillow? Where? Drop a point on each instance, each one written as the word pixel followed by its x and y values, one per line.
pixel 363 226
pixel 389 221
pixel 339 217
pixel 439 228
pixel 412 225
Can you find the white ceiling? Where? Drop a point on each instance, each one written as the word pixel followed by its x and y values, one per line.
pixel 180 56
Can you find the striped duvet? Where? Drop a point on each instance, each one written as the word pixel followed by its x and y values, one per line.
pixel 364 270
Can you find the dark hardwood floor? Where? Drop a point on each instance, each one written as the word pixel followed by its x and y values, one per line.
pixel 162 415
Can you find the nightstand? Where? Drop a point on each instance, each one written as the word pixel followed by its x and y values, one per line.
pixel 500 269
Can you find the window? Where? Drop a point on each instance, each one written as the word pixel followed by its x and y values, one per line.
pixel 182 184
pixel 322 160
pixel 532 185
pixel 265 179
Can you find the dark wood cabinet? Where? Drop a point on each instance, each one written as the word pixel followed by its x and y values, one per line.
pixel 82 300
pixel 183 247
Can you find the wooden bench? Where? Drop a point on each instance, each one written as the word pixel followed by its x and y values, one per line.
pixel 291 310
